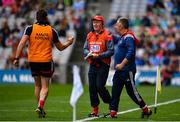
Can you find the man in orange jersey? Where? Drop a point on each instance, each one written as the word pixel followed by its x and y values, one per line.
pixel 40 37
pixel 98 49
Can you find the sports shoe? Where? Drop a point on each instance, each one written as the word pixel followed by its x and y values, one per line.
pixel 111 114
pixel 41 113
pixel 93 115
pixel 146 113
pixel 94 112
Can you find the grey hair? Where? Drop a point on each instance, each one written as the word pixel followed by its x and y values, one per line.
pixel 124 21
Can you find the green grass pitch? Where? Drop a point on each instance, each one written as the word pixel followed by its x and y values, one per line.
pixel 17 103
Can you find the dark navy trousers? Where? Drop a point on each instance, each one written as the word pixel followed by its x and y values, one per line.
pixel 121 79
pixel 97 80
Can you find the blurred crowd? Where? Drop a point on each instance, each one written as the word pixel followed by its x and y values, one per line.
pixel 159 34
pixel 63 15
pixel 158 30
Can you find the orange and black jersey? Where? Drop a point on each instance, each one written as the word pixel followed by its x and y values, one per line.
pixel 28 32
pixel 41 39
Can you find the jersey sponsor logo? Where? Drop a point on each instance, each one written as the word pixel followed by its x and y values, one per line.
pixel 42 36
pixel 95 43
pixel 95 48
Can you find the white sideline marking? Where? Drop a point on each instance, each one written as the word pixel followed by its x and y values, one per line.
pixel 130 110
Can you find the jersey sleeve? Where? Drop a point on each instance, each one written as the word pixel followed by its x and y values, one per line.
pixel 130 43
pixel 86 49
pixel 28 30
pixel 110 48
pixel 55 36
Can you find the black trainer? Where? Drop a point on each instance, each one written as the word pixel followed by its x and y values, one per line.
pixel 41 113
pixel 93 115
pixel 110 115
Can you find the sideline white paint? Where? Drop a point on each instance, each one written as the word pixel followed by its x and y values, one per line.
pixel 131 110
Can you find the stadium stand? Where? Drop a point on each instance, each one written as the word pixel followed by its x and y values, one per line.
pixel 157 27
pixel 155 22
pixel 129 8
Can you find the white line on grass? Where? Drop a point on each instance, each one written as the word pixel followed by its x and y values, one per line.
pixel 131 110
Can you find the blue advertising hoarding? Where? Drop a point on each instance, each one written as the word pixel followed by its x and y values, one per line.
pixel 176 79
pixel 150 77
pixel 24 76
pixel 146 76
pixel 16 76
